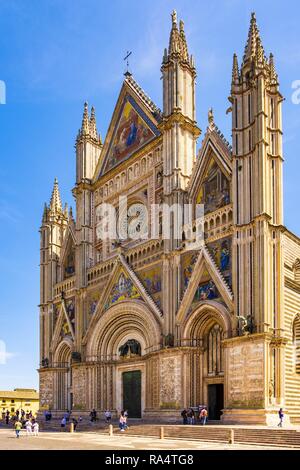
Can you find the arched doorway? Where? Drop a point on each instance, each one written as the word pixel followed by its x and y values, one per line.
pixel 206 327
pixel 63 376
pixel 124 334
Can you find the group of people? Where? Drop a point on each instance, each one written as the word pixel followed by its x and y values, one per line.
pixel 31 426
pixel 18 415
pixel 189 416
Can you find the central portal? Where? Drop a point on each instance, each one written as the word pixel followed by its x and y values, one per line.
pixel 132 390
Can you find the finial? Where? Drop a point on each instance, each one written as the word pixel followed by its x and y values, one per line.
pixel 181 26
pixel 211 120
pixel 174 17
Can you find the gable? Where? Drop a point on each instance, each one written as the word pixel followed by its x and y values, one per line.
pixel 132 130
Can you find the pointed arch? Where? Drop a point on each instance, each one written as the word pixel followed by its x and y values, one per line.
pixel 205 315
pixel 204 261
pixel 128 318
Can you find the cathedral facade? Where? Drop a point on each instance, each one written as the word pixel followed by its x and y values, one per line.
pixel 155 324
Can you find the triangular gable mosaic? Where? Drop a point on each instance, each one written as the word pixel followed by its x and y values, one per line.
pixel 215 188
pixel 123 289
pixel 133 130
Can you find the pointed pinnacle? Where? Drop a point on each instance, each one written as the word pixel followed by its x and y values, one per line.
pixel 45 213
pixel 85 120
pixel 251 45
pixel 92 124
pixel 273 74
pixel 55 202
pixel 235 69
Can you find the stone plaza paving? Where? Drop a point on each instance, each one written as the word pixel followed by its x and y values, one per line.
pixel 95 441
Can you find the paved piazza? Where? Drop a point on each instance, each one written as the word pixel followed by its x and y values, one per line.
pixel 96 441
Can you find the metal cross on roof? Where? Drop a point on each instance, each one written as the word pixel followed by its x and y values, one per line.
pixel 128 54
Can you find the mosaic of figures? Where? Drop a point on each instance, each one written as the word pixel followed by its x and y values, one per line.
pixel 70 309
pixel 69 267
pixel 133 131
pixel 215 189
pixel 151 279
pixel 188 261
pixel 123 289
pixel 206 289
pixel 221 251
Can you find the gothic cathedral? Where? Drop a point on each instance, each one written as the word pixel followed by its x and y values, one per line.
pixel 149 324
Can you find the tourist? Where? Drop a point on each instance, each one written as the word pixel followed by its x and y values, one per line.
pixel 18 427
pixel 203 416
pixel 93 415
pixel 63 422
pixel 67 415
pixel 122 421
pixel 107 416
pixel 75 423
pixel 281 416
pixel 184 416
pixel 35 428
pixel 22 414
pixel 7 417
pixel 28 427
pixel 190 416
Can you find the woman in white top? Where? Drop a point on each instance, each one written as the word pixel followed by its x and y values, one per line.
pixel 28 427
pixel 35 428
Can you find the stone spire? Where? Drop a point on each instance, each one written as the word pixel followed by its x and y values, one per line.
pixel 85 127
pixel 254 46
pixel 273 73
pixel 235 70
pixel 177 42
pixel 55 202
pixel 93 126
pixel 45 213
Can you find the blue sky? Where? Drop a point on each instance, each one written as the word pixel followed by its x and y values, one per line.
pixel 54 55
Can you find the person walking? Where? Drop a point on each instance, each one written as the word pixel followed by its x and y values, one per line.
pixel 75 423
pixel 63 422
pixel 28 427
pixel 281 416
pixel 184 416
pixel 35 428
pixel 7 417
pixel 18 427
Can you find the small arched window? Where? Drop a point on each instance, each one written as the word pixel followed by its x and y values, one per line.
pixel 296 343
